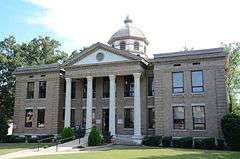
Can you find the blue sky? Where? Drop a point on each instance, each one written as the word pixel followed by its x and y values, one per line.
pixel 168 25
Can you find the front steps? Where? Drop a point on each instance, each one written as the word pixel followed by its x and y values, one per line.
pixel 127 140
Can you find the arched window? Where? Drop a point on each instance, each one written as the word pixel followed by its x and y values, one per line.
pixel 136 45
pixel 122 45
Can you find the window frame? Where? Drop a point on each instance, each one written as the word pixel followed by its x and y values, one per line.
pixel 177 87
pixel 73 90
pixel 127 87
pixel 42 94
pixel 106 87
pixel 136 45
pixel 153 120
pixel 129 122
pixel 184 124
pixel 151 92
pixel 204 112
pixel 25 116
pixel 30 94
pixel 202 86
pixel 122 45
pixel 38 118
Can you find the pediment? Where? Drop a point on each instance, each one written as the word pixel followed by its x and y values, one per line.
pixel 100 53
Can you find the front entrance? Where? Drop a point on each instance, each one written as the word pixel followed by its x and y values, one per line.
pixel 105 120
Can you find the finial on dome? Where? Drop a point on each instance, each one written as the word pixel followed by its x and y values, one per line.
pixel 127 21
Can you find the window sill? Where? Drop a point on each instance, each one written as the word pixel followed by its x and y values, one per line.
pixel 181 130
pixel 29 99
pixel 198 94
pixel 128 97
pixel 199 130
pixel 178 94
pixel 105 98
pixel 151 129
pixel 150 96
pixel 127 128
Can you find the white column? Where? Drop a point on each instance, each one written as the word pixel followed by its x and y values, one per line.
pixel 89 104
pixel 67 120
pixel 137 105
pixel 112 105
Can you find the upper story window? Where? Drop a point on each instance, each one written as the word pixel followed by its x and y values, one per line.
pixel 106 87
pixel 42 89
pixel 136 45
pixel 177 82
pixel 128 86
pixel 84 93
pixel 73 90
pixel 199 122
pixel 150 86
pixel 197 81
pixel 122 45
pixel 178 117
pixel 30 90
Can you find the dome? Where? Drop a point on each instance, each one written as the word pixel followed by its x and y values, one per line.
pixel 128 32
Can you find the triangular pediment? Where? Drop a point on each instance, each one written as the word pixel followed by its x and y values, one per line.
pixel 100 53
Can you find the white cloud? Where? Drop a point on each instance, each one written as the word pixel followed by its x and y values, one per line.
pixel 168 25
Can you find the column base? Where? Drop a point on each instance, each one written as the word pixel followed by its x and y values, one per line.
pixel 137 139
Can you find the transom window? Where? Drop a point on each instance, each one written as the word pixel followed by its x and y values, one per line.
pixel 136 45
pixel 128 86
pixel 128 118
pixel 177 82
pixel 122 45
pixel 30 90
pixel 106 87
pixel 42 89
pixel 178 117
pixel 199 122
pixel 197 81
pixel 150 86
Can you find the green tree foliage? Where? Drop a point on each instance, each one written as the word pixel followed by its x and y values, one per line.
pixel 3 126
pixel 233 76
pixel 94 138
pixel 231 130
pixel 41 50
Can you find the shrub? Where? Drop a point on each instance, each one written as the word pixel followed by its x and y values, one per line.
pixel 67 133
pixel 198 143
pixel 3 126
pixel 107 137
pixel 166 141
pixel 152 141
pixel 176 142
pixel 231 130
pixel 220 144
pixel 208 143
pixel 94 138
pixel 186 142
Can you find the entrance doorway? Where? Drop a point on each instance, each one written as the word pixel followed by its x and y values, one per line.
pixel 105 120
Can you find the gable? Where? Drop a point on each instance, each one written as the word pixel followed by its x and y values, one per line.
pixel 100 56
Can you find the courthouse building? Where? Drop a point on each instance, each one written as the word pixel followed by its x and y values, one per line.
pixel 118 88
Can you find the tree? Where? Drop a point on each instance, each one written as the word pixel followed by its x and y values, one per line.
pixel 233 76
pixel 41 50
pixel 3 126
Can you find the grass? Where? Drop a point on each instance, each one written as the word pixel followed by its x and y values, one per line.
pixel 144 153
pixel 13 147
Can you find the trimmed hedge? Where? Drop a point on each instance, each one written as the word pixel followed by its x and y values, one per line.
pixel 198 143
pixel 231 130
pixel 166 141
pixel 184 142
pixel 152 141
pixel 220 144
pixel 204 143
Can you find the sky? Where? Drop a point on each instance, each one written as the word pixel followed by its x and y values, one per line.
pixel 169 25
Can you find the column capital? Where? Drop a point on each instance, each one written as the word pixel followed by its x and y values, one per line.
pixel 89 77
pixel 68 79
pixel 137 75
pixel 112 77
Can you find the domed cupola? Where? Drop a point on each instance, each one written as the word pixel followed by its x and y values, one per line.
pixel 130 38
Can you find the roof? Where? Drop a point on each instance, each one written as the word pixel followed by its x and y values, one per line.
pixel 189 53
pixel 38 68
pixel 128 32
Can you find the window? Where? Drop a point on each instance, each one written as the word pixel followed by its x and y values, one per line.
pixel 106 87
pixel 197 81
pixel 72 117
pixel 199 118
pixel 84 93
pixel 122 45
pixel 178 117
pixel 128 118
pixel 42 89
pixel 28 118
pixel 128 86
pixel 136 45
pixel 150 86
pixel 151 118
pixel 30 90
pixel 41 118
pixel 85 88
pixel 73 90
pixel 177 82
pixel 84 114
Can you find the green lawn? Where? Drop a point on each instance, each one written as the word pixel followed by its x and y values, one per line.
pixel 13 147
pixel 143 153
